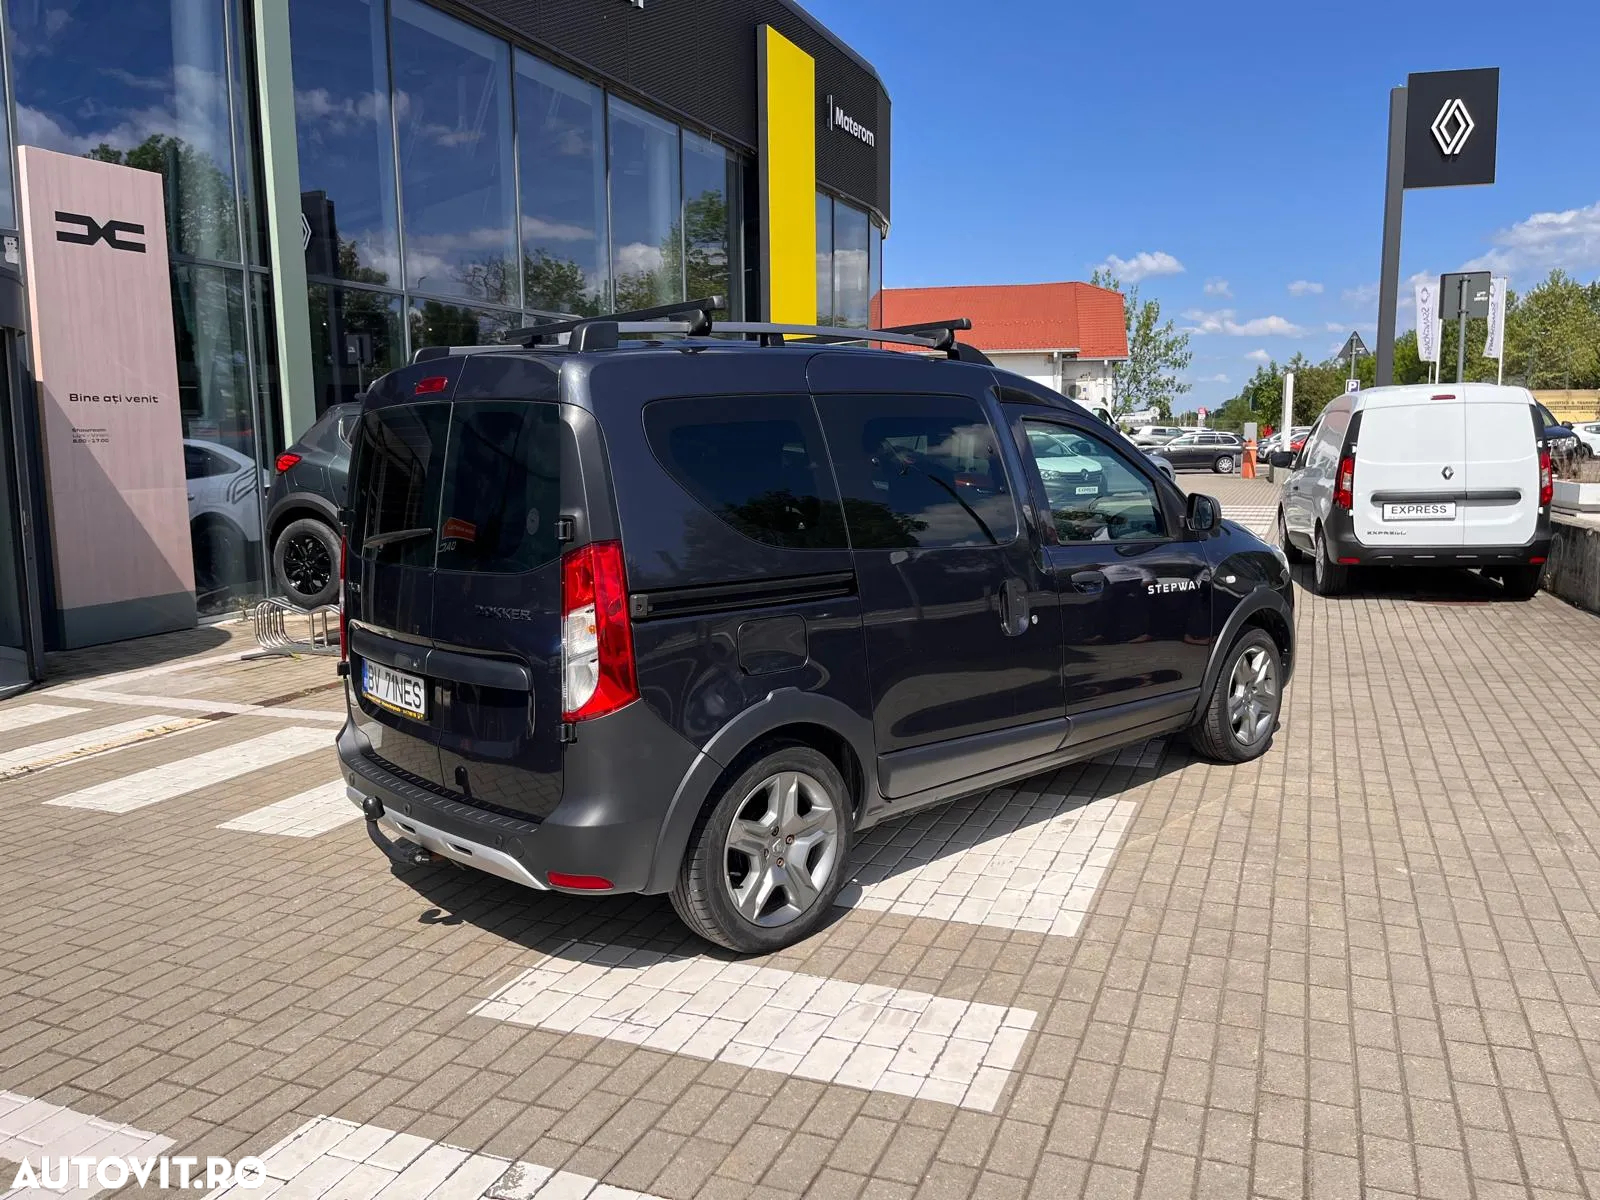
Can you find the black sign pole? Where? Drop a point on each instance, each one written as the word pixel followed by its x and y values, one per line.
pixel 1462 296
pixel 1393 203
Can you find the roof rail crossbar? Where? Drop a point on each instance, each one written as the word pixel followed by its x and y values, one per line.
pixel 942 332
pixel 697 312
pixel 771 333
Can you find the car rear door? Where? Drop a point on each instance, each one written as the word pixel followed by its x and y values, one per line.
pixel 963 648
pixel 1501 479
pixel 1410 468
pixel 460 586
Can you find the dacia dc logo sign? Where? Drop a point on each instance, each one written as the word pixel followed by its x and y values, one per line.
pixel 86 231
pixel 1451 126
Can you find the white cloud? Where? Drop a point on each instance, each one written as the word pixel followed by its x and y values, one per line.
pixel 1259 356
pixel 1219 377
pixel 1569 239
pixel 1218 287
pixel 1305 287
pixel 639 258
pixel 1222 321
pixel 1143 265
pixel 1364 296
pixel 1334 327
pixel 536 229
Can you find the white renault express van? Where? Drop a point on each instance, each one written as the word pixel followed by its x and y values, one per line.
pixel 1423 475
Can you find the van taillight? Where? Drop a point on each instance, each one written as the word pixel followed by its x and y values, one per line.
pixel 1344 486
pixel 597 669
pixel 1547 483
pixel 344 628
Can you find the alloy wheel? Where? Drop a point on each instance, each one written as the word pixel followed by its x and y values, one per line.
pixel 781 849
pixel 307 564
pixel 1252 695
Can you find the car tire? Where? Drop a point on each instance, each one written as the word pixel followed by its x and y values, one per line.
pixel 1521 583
pixel 305 562
pixel 1223 465
pixel 1241 714
pixel 1290 551
pixel 740 854
pixel 1328 578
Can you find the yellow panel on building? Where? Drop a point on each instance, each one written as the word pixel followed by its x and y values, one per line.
pixel 788 95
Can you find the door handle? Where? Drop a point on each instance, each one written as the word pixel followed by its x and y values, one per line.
pixel 1014 616
pixel 1089 582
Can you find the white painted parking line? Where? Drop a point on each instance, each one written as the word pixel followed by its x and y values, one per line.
pixel 92 741
pixel 24 715
pixel 187 704
pixel 203 770
pixel 330 1159
pixel 1259 519
pixel 862 1035
pixel 991 860
pixel 312 812
pixel 32 1129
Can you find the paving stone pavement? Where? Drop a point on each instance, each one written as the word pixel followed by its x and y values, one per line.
pixel 1364 965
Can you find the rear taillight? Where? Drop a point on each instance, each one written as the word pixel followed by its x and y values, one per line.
pixel 1344 486
pixel 1547 483
pixel 286 460
pixel 597 670
pixel 344 628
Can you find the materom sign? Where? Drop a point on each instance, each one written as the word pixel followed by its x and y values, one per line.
pixel 100 303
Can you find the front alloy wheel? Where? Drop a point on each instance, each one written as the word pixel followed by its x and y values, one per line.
pixel 1224 464
pixel 1252 695
pixel 1241 713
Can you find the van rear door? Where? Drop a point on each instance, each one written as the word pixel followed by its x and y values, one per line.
pixel 455 603
pixel 1410 470
pixel 1502 475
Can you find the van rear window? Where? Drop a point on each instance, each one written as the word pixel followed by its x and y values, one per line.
pixel 474 486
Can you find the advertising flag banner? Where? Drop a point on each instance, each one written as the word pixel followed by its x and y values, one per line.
pixel 1495 345
pixel 1428 322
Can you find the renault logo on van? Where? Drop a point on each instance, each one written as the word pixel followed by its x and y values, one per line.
pixel 1448 472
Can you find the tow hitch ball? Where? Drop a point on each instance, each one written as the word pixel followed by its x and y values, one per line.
pixel 413 855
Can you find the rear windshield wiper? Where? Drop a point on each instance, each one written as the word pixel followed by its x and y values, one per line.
pixel 378 540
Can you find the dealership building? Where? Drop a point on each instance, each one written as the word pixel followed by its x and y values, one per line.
pixel 338 184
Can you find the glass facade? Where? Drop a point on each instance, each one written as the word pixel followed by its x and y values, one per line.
pixel 158 86
pixel 453 186
pixel 849 266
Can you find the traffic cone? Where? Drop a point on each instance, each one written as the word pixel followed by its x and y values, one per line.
pixel 1247 461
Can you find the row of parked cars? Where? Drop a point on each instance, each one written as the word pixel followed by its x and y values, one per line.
pixel 1191 449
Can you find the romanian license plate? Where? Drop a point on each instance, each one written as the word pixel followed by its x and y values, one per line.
pixel 1433 511
pixel 1090 490
pixel 394 690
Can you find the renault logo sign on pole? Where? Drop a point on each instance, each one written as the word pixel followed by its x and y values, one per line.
pixel 1443 132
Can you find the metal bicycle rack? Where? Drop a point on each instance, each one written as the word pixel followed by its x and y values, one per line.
pixel 272 617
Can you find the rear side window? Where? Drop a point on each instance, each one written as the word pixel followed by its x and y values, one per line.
pixel 502 488
pixel 756 462
pixel 473 487
pixel 396 489
pixel 920 471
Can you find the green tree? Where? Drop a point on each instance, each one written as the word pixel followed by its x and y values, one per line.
pixel 202 218
pixel 1552 336
pixel 1158 354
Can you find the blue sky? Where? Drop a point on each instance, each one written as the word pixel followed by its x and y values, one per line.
pixel 1243 143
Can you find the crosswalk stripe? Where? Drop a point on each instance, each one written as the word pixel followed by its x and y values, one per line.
pixel 861 1035
pixel 76 745
pixel 25 715
pixel 203 770
pixel 312 812
pixel 31 1129
pixel 339 1160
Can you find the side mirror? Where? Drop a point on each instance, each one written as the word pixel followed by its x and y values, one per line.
pixel 1566 424
pixel 1280 458
pixel 1204 514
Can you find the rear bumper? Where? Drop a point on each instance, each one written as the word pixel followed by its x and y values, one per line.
pixel 1345 547
pixel 620 778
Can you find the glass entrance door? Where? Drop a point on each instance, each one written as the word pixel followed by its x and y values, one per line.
pixel 19 644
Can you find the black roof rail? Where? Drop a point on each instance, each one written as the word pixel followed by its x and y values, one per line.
pixel 697 314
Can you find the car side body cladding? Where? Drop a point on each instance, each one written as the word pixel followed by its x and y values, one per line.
pixel 295 505
pixel 1250 586
pixel 786 712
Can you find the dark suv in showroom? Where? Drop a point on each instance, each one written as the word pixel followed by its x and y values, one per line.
pixel 684 615
pixel 303 505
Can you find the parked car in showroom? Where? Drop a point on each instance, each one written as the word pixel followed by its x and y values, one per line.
pixel 1204 449
pixel 1422 475
pixel 685 616
pixel 224 490
pixel 303 504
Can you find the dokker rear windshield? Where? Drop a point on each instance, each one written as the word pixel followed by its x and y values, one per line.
pixel 474 486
